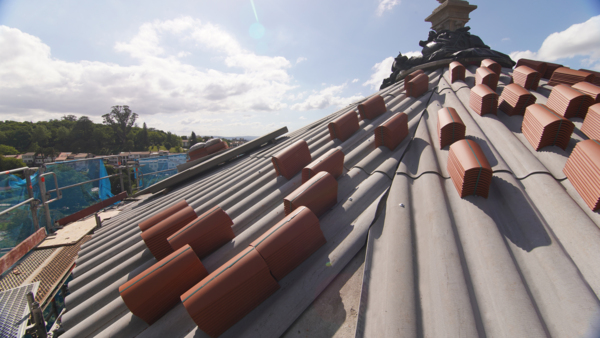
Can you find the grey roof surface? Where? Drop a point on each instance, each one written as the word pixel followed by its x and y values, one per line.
pixel 524 262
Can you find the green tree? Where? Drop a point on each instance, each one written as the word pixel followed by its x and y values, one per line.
pixel 8 163
pixel 41 135
pixel 121 119
pixel 144 137
pixel 71 118
pixel 8 150
pixel 193 139
pixel 81 136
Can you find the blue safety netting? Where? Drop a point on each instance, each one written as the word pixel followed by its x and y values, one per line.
pixel 17 225
pixel 156 169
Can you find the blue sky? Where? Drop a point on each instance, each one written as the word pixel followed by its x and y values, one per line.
pixel 245 67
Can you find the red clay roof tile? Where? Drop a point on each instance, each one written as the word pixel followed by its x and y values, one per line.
pixel 526 77
pixel 318 194
pixel 515 99
pixel 332 162
pixel 230 292
pixel 543 127
pixel 344 126
pixel 569 102
pixel 492 65
pixel 450 127
pixel 469 169
pixel 391 132
pixel 583 171
pixel 292 159
pixel 155 291
pixel 291 241
pixel 150 222
pixel 457 71
pixel 483 100
pixel 205 234
pixel 538 66
pixel 156 237
pixel 417 86
pixel 591 124
pixel 487 77
pixel 372 108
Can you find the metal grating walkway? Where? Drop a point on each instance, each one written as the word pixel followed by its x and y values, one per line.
pixel 13 310
pixel 24 269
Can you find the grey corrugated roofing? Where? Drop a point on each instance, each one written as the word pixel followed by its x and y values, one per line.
pixel 523 262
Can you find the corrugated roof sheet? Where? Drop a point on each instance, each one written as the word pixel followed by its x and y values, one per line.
pixel 522 262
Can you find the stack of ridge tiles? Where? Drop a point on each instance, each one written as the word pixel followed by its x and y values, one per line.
pixel 492 65
pixel 538 66
pixel 596 76
pixel 469 169
pixel 391 132
pixel 583 171
pixel 550 68
pixel 589 89
pixel 417 86
pixel 450 127
pixel 591 124
pixel 457 71
pixel 515 99
pixel 569 77
pixel 487 77
pixel 543 127
pixel 526 77
pixel 413 75
pixel 569 102
pixel 483 100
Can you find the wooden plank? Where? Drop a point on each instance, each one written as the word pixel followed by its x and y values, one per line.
pixel 70 234
pixel 20 250
pixel 92 209
pixel 204 166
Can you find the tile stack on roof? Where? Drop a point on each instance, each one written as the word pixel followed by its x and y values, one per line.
pixel 290 242
pixel 591 124
pixel 344 126
pixel 550 69
pixel 457 71
pixel 492 65
pixel 205 234
pixel 596 76
pixel 391 132
pixel 318 194
pixel 230 292
pixel 197 151
pixel 569 102
pixel 413 75
pixel 526 77
pixel 216 146
pixel 538 66
pixel 583 171
pixel 292 159
pixel 156 236
pixel 487 77
pixel 372 108
pixel 569 77
pixel 417 86
pixel 162 215
pixel 543 127
pixel 469 169
pixel 155 291
pixel 450 127
pixel 332 162
pixel 589 89
pixel 515 99
pixel 483 100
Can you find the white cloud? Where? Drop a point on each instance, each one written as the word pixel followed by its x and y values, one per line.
pixel 34 85
pixel 355 81
pixel 300 59
pixel 327 97
pixel 582 39
pixel 505 39
pixel 386 5
pixel 302 118
pixel 381 70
